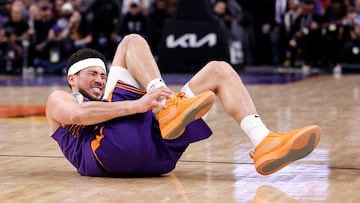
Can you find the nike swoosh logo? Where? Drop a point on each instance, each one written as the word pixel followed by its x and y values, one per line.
pixel 274 144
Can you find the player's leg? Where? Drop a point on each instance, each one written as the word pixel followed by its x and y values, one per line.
pixel 134 64
pixel 134 54
pixel 221 78
pixel 272 151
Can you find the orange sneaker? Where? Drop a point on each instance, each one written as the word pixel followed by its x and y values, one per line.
pixel 277 150
pixel 180 111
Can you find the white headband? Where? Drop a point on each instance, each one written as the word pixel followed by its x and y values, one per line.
pixel 85 63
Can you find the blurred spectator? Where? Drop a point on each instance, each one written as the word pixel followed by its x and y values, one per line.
pixel 33 15
pixel 350 35
pixel 290 17
pixel 307 37
pixel 104 18
pixel 351 50
pixel 84 4
pixel 58 45
pixel 42 25
pixel 221 10
pixel 347 29
pixel 349 3
pixel 277 34
pixel 243 29
pixel 80 32
pixel 357 8
pixel 332 21
pixel 144 6
pixel 17 39
pixel 231 16
pixel 57 5
pixel 76 4
pixel 319 8
pixel 263 20
pixel 134 21
pixel 156 18
pixel 5 8
pixel 314 32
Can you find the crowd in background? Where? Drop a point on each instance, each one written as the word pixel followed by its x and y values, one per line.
pixel 297 33
pixel 41 34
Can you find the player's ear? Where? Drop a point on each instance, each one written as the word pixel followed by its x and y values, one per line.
pixel 71 79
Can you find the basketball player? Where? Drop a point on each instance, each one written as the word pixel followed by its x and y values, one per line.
pixel 131 124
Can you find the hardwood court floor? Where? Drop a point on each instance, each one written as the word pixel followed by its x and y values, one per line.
pixel 32 168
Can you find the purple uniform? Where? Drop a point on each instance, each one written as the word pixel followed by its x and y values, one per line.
pixel 126 146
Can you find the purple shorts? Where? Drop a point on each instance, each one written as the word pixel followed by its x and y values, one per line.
pixel 127 146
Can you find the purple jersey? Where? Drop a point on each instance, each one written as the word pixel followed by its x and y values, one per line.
pixel 126 146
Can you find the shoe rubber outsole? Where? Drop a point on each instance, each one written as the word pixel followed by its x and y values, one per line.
pixel 301 145
pixel 203 105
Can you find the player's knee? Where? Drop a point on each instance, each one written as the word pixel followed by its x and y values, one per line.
pixel 221 69
pixel 133 38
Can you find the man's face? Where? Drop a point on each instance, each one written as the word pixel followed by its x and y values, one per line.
pixel 90 82
pixel 45 13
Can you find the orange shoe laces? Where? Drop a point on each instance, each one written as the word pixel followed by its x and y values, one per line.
pixel 273 134
pixel 178 98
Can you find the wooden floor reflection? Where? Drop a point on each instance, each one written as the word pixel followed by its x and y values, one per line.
pixel 215 170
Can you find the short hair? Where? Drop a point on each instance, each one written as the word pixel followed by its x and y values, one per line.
pixel 84 54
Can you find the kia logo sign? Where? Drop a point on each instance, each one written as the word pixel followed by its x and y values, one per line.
pixel 191 40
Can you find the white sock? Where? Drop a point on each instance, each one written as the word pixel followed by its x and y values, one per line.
pixel 156 83
pixel 254 128
pixel 188 92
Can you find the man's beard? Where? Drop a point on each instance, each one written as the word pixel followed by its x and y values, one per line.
pixel 91 98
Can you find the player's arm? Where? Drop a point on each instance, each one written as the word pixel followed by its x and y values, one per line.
pixel 63 108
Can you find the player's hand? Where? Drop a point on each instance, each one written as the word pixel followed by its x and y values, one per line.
pixel 151 100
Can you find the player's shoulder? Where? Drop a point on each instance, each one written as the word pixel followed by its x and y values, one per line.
pixel 59 94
